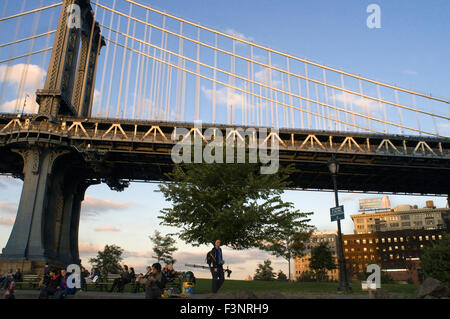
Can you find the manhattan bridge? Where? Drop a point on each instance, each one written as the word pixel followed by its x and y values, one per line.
pixel 93 92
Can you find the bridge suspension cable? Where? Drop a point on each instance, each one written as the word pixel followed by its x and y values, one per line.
pixel 271 100
pixel 277 91
pixel 279 52
pixel 157 66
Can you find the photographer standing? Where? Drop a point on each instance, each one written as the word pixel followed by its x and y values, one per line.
pixel 215 261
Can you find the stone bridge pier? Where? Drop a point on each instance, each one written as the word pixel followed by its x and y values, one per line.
pixel 47 221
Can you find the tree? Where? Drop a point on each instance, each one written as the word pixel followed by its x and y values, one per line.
pixel 281 276
pixel 294 234
pixel 108 260
pixel 435 260
pixel 163 247
pixel 230 202
pixel 264 271
pixel 321 261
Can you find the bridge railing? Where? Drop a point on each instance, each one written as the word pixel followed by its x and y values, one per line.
pixel 94 132
pixel 160 67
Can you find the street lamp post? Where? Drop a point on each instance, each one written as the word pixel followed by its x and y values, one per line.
pixel 333 166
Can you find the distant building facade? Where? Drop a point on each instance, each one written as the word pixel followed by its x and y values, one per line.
pixel 396 252
pixel 401 218
pixel 301 265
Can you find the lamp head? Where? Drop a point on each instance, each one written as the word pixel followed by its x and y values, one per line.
pixel 333 166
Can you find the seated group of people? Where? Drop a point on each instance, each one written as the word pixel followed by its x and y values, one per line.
pixel 153 281
pixel 54 284
pixel 8 282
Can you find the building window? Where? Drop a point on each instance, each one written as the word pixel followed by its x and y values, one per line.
pixel 406 224
pixel 357 241
pixel 394 225
pixel 419 223
pixel 405 217
pixel 401 239
pixel 433 237
pixel 440 236
pixel 420 238
pixel 383 240
pixel 395 239
pixel 364 249
pixel 390 248
pixel 429 222
pixel 345 242
pixel 427 237
pixel 391 256
pixel 403 247
pixel 364 241
pixel 389 239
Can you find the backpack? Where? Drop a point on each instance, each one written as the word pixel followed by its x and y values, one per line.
pixel 210 257
pixel 163 282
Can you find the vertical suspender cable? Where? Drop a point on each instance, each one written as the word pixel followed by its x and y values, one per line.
pixel 11 54
pixel 119 97
pixel 127 85
pixel 197 81
pixel 105 63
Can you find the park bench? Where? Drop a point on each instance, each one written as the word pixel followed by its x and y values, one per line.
pixel 104 284
pixel 32 280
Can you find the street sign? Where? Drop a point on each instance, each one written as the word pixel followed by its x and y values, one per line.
pixel 337 213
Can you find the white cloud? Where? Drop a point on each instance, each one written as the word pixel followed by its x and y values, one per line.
pixel 86 248
pixel 238 35
pixel 263 76
pixel 225 96
pixel 357 102
pixel 26 103
pixel 107 228
pixel 29 77
pixel 8 208
pixel 92 206
pixel 32 75
pixel 7 221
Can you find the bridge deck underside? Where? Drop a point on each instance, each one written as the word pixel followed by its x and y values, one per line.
pixel 109 149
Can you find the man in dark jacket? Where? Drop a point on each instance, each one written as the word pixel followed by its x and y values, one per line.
pixel 216 266
pixel 156 283
pixel 51 284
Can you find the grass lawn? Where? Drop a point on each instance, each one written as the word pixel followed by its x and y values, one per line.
pixel 203 286
pixel 322 288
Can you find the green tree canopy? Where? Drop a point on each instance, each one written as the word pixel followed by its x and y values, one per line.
pixel 230 202
pixel 435 260
pixel 108 260
pixel 264 271
pixel 291 238
pixel 163 247
pixel 281 276
pixel 321 261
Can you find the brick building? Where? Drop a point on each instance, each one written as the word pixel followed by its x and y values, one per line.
pixel 301 265
pixel 396 252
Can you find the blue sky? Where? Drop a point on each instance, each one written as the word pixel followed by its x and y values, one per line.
pixel 410 50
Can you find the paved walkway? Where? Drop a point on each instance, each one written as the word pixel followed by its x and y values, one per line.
pixel 34 294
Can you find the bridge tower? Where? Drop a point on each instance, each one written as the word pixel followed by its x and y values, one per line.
pixel 54 175
pixel 68 88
